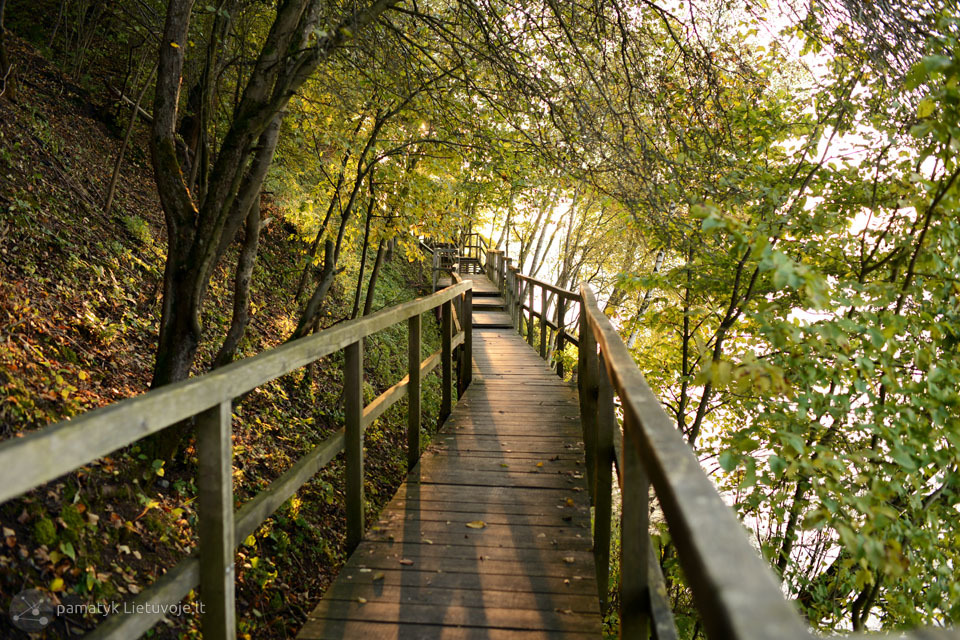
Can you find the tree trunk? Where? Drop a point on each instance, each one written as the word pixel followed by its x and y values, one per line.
pixel 372 286
pixel 8 86
pixel 363 258
pixel 319 293
pixel 241 288
pixel 199 230
pixel 112 189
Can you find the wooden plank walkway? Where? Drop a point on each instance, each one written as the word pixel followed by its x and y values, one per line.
pixel 509 458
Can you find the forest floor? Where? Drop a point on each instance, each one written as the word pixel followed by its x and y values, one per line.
pixel 79 309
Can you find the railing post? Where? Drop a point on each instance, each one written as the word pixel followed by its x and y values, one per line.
pixel 518 302
pixel 446 359
pixel 413 391
pixel 466 368
pixel 634 536
pixel 217 546
pixel 606 424
pixel 353 441
pixel 543 323
pixel 521 284
pixel 561 332
pixel 587 377
pixel 503 272
pixel 530 311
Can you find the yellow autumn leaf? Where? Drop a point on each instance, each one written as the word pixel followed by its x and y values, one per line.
pixel 174 45
pixel 477 524
pixel 56 585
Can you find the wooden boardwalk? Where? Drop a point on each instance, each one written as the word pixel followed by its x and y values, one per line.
pixel 489 538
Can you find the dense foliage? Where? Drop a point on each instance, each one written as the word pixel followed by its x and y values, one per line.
pixel 764 197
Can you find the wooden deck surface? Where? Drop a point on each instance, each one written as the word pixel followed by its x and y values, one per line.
pixel 489 538
pixel 481 284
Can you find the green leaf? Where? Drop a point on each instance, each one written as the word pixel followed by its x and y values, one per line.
pixel 728 460
pixel 777 465
pixel 68 551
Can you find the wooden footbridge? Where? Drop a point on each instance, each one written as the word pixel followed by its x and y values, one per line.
pixel 502 529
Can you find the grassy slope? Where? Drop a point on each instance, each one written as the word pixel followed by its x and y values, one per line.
pixel 78 316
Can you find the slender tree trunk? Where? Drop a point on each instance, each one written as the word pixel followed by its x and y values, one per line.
pixel 635 333
pixel 241 288
pixel 374 275
pixel 363 258
pixel 112 189
pixel 310 313
pixel 8 86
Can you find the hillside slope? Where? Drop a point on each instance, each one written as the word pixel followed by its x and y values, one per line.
pixel 79 304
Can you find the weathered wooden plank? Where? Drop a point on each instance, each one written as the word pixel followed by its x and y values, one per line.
pixel 413 377
pixel 446 367
pixel 377 550
pixel 413 578
pixel 452 615
pixel 514 537
pixel 447 563
pixel 216 526
pixel 169 589
pixel 603 498
pixel 349 629
pixel 353 442
pixel 374 592
pixel 491 509
pixel 543 323
pixel 557 481
pixel 441 464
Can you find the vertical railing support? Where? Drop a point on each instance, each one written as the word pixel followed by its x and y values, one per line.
pixel 634 536
pixel 215 487
pixel 543 323
pixel 530 312
pixel 446 359
pixel 588 400
pixel 521 291
pixel 353 441
pixel 606 424
pixel 503 273
pixel 561 332
pixel 413 391
pixel 466 368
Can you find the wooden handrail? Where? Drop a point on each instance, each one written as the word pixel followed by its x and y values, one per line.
pixel 735 591
pixel 39 457
pixel 569 295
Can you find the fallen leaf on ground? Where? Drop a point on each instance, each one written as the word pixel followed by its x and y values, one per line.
pixel 477 524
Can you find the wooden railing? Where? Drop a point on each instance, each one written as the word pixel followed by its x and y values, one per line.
pixel 31 461
pixel 520 293
pixel 734 590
